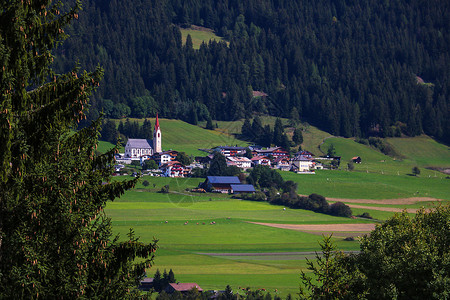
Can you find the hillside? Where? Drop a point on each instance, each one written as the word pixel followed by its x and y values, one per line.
pixel 322 57
pixel 182 136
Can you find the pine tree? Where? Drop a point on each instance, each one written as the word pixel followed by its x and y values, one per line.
pixel 297 138
pixel 55 239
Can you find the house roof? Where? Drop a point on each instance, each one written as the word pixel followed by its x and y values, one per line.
pixel 259 157
pixel 242 188
pixel 147 280
pixel 224 179
pixel 138 143
pixel 239 159
pixel 184 287
pixel 170 164
pixel 302 158
pixel 230 148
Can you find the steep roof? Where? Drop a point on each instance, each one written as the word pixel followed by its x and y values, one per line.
pixel 184 287
pixel 243 188
pixel 138 143
pixel 224 179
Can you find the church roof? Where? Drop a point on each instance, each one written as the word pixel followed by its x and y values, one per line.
pixel 138 143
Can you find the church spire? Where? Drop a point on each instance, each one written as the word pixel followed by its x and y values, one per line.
pixel 157 137
pixel 157 122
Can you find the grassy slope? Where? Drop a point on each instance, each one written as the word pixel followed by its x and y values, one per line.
pixel 182 136
pixel 199 36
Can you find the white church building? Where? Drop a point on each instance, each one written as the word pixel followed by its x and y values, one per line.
pixel 135 148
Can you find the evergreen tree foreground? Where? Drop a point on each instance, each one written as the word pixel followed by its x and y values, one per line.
pixel 55 239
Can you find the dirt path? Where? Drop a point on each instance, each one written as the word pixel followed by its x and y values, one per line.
pixel 400 201
pixel 323 227
pixel 392 209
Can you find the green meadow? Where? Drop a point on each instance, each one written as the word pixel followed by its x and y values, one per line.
pixel 199 36
pixel 193 247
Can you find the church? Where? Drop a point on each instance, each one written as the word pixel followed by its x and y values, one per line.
pixel 135 148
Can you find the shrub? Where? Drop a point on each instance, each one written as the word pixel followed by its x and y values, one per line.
pixel 340 209
pixel 145 183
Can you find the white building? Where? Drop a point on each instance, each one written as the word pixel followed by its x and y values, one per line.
pixel 240 162
pixel 303 163
pixel 135 148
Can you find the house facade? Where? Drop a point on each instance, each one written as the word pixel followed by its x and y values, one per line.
pixel 173 169
pixel 230 150
pixel 261 160
pixel 303 163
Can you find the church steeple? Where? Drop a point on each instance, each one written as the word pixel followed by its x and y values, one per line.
pixel 157 137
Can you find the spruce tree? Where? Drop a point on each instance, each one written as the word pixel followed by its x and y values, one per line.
pixel 55 239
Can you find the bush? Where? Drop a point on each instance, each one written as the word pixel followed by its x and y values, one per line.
pixel 365 215
pixel 340 209
pixel 165 189
pixel 145 183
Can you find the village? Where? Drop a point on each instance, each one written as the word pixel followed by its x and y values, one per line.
pixel 166 164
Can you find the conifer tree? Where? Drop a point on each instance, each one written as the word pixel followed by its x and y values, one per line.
pixel 55 239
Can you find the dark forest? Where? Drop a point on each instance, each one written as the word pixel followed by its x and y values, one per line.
pixel 352 68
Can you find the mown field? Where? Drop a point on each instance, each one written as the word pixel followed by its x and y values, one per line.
pixel 197 251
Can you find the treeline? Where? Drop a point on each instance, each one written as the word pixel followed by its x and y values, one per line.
pixel 130 129
pixel 349 67
pixel 280 192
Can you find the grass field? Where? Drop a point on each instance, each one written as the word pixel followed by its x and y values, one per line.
pixel 196 250
pixel 182 247
pixel 199 35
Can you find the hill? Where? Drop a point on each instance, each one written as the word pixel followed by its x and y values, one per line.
pixel 185 137
pixel 321 57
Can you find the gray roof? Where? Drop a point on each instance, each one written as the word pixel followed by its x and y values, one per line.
pixel 139 143
pixel 224 179
pixel 242 188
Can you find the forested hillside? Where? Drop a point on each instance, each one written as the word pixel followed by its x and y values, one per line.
pixel 350 67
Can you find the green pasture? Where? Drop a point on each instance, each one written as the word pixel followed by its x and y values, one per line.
pixel 422 151
pixel 183 247
pixel 362 185
pixel 199 36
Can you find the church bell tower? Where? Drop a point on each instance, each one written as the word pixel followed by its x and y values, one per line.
pixel 157 137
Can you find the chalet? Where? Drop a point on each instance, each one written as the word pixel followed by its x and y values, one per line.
pixel 275 152
pixel 261 160
pixel 135 148
pixel 282 163
pixel 303 163
pixel 221 184
pixel 356 159
pixel 242 188
pixel 182 287
pixel 230 150
pixel 146 284
pixel 165 157
pixel 173 169
pixel 304 153
pixel 204 159
pixel 240 162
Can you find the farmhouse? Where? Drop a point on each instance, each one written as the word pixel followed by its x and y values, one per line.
pixel 230 150
pixel 282 163
pixel 356 159
pixel 261 160
pixel 165 157
pixel 275 152
pixel 182 287
pixel 242 188
pixel 220 184
pixel 303 163
pixel 146 284
pixel 173 169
